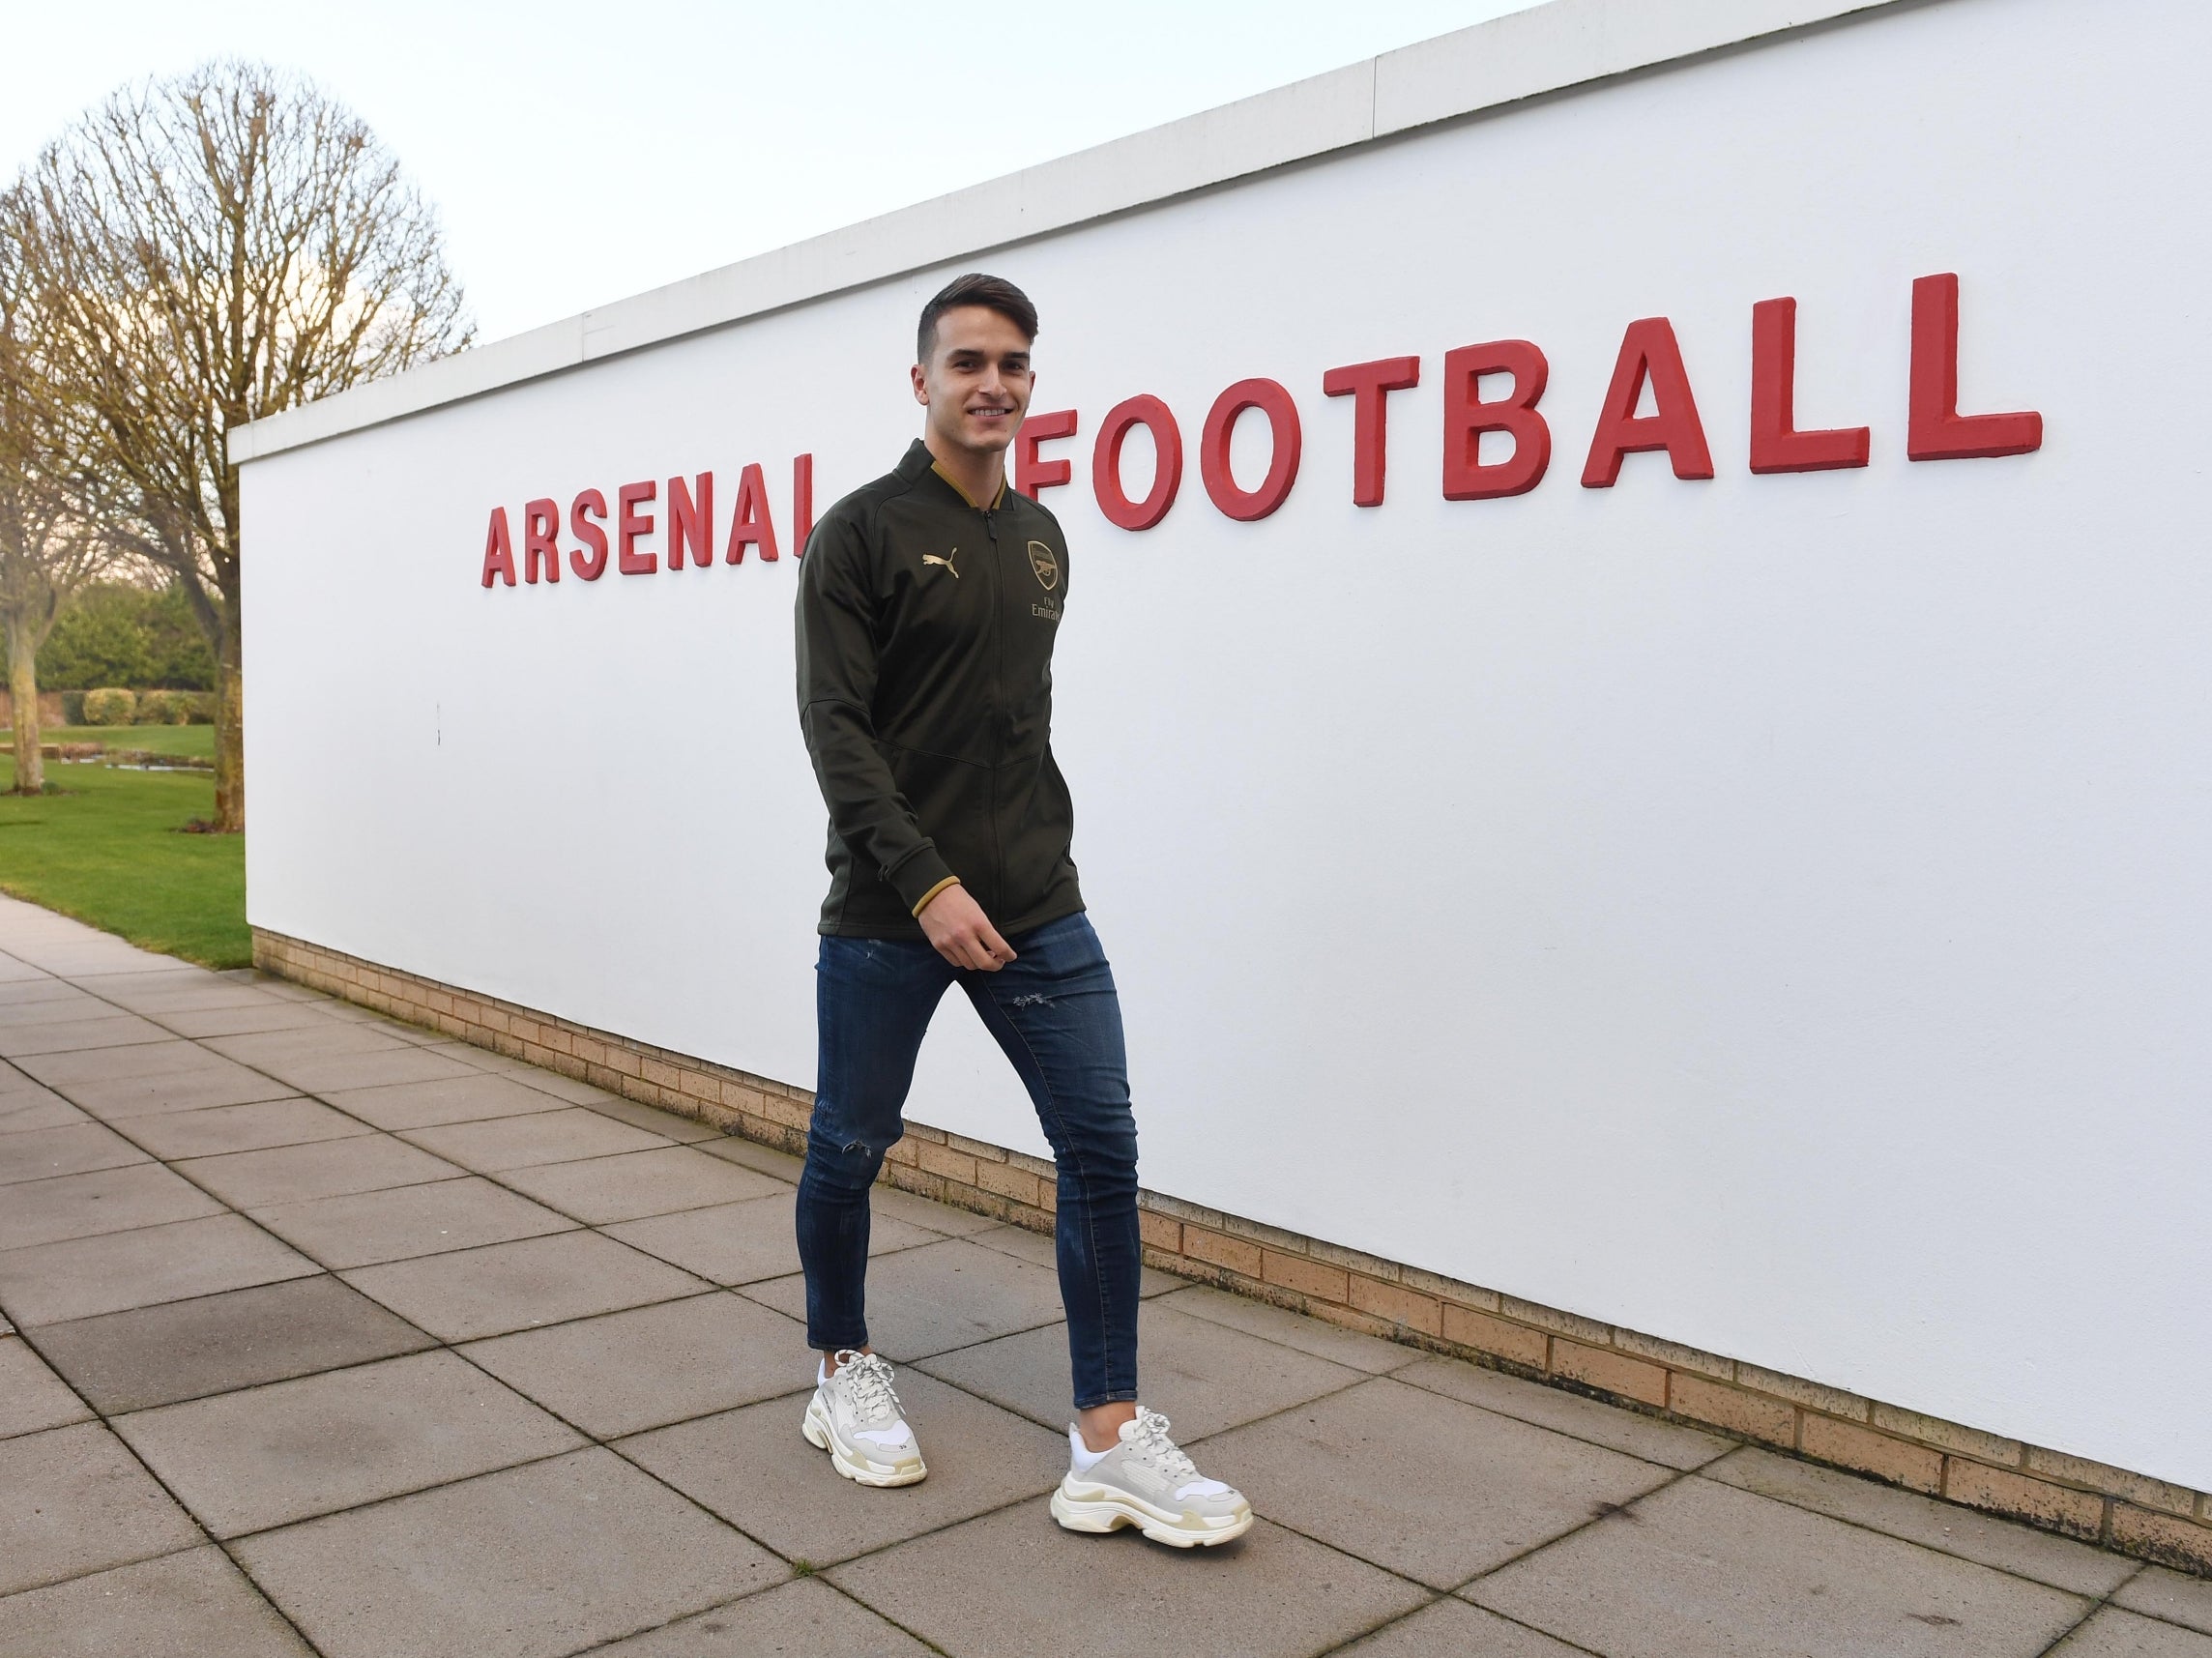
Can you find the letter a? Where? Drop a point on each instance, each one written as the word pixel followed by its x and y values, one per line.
pixel 498 550
pixel 750 522
pixel 1648 352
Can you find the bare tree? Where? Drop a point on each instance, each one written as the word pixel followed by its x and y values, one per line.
pixel 211 249
pixel 48 548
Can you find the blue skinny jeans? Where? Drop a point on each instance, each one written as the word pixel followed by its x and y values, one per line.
pixel 1055 1012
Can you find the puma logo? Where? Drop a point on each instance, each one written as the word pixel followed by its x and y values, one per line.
pixel 929 559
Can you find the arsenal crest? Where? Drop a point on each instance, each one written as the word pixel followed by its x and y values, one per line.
pixel 1045 564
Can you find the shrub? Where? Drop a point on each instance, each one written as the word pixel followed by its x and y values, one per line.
pixel 164 707
pixel 73 707
pixel 109 707
pixel 203 710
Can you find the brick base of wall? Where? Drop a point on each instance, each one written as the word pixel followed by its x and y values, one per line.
pixel 2129 1512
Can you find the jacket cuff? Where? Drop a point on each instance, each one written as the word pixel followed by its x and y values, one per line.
pixel 917 879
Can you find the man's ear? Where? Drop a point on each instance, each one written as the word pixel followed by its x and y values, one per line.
pixel 921 385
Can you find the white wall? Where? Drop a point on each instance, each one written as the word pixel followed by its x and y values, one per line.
pixel 1769 913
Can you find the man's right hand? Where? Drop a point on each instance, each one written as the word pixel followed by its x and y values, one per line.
pixel 963 935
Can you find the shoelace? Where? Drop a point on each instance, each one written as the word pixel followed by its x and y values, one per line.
pixel 869 1384
pixel 1151 1441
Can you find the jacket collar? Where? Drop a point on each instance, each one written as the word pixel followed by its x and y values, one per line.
pixel 919 463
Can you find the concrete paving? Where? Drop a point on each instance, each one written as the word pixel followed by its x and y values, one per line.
pixel 325 1334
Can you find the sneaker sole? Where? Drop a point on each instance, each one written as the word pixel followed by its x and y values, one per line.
pixel 1100 1510
pixel 816 1428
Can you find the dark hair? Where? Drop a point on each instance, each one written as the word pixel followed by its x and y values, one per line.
pixel 992 293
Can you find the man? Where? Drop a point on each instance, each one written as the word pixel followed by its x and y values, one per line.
pixel 928 603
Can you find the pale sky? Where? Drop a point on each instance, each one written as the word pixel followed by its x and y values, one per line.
pixel 578 153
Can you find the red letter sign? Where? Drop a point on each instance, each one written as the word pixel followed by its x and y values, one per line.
pixel 1106 463
pixel 1937 431
pixel 1367 383
pixel 1466 417
pixel 750 522
pixel 629 524
pixel 1649 351
pixel 691 523
pixel 1269 397
pixel 1776 443
pixel 802 503
pixel 498 550
pixel 1030 474
pixel 540 539
pixel 587 505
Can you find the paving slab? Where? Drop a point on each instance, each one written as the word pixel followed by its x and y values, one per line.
pixel 208 1080
pixel 2170 1595
pixel 329 1039
pixel 1039 1249
pixel 31 1106
pixel 239 1018
pixel 1421 1484
pixel 1452 1626
pixel 782 1165
pixel 1669 1444
pixel 649 1366
pixel 32 1397
pixel 937 1298
pixel 1371 1353
pixel 194 1604
pixel 16 989
pixel 890 1201
pixel 746 1242
pixel 184 1349
pixel 81 1277
pixel 400 1223
pixel 252 1127
pixel 668 1125
pixel 631 1185
pixel 753 1467
pixel 2116 1634
pixel 1013 1585
pixel 504 1287
pixel 326 1169
pixel 430 1104
pixel 803 1618
pixel 163 994
pixel 57 1001
pixel 110 1029
pixel 72 1148
pixel 174 1056
pixel 1702 1570
pixel 1944 1527
pixel 1204 1377
pixel 530 1563
pixel 563 1136
pixel 109 1200
pixel 265 1456
pixel 389 1062
pixel 79 1501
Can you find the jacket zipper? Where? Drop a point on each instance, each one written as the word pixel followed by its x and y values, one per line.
pixel 998 711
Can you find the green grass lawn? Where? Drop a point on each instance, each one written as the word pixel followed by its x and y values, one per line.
pixel 108 852
pixel 196 742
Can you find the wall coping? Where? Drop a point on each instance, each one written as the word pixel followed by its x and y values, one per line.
pixel 1509 60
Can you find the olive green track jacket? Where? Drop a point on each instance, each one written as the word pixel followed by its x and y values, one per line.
pixel 925 631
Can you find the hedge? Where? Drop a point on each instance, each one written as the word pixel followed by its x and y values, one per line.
pixel 111 706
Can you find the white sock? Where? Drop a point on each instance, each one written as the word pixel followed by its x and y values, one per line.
pixel 820 1373
pixel 1084 1458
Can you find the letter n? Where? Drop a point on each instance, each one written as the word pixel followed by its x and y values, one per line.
pixel 692 521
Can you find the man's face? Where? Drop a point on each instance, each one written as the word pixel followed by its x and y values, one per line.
pixel 976 383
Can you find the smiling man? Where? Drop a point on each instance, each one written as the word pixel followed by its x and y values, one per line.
pixel 928 604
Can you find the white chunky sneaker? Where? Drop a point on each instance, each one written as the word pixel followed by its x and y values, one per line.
pixel 1147 1481
pixel 855 1416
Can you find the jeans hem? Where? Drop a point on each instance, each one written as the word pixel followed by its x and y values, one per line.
pixel 836 1346
pixel 1115 1396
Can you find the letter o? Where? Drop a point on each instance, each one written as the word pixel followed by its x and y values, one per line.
pixel 1269 397
pixel 1106 463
